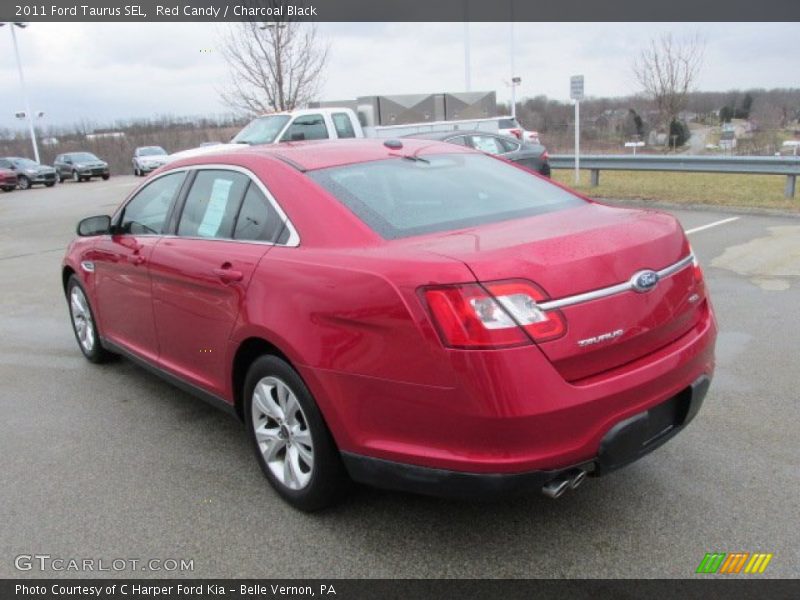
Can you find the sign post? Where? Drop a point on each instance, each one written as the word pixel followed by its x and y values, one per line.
pixel 576 94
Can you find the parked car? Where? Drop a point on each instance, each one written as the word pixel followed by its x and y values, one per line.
pixel 532 156
pixel 510 126
pixel 8 179
pixel 406 313
pixel 29 172
pixel 80 166
pixel 147 159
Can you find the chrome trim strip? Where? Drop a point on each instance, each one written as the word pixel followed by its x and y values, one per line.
pixel 614 289
pixel 294 237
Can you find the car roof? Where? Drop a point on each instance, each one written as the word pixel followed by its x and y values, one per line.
pixel 322 154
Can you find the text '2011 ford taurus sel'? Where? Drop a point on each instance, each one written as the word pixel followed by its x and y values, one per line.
pixel 410 314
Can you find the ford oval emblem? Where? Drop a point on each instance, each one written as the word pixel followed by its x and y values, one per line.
pixel 644 281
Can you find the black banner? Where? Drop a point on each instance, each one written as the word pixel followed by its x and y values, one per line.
pixel 399 10
pixel 743 588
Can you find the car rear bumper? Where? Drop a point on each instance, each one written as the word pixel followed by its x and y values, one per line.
pixel 507 411
pixel 623 444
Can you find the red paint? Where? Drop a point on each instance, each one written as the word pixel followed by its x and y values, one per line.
pixel 348 309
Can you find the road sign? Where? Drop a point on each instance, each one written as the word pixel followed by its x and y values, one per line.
pixel 576 87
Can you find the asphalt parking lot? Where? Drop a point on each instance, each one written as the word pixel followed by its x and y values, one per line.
pixel 110 462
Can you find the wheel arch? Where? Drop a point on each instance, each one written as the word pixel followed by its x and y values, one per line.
pixel 247 352
pixel 66 273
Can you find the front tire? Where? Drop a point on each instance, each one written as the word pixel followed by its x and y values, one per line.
pixel 84 324
pixel 50 184
pixel 293 446
pixel 105 177
pixel 23 182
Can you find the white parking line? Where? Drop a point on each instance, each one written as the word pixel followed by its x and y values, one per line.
pixel 710 225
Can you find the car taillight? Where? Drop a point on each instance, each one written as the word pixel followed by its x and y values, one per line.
pixel 517 133
pixel 500 314
pixel 697 270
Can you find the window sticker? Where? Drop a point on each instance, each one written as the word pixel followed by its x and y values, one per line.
pixel 215 210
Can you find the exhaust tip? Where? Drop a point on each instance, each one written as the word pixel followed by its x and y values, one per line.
pixel 577 479
pixel 556 487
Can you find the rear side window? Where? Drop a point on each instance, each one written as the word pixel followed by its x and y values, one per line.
pixel 507 145
pixel 147 211
pixel 307 127
pixel 344 128
pixel 211 206
pixel 258 220
pixel 402 197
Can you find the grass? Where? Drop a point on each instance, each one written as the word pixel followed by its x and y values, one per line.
pixel 758 191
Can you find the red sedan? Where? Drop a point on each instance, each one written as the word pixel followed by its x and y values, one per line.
pixel 8 179
pixel 410 314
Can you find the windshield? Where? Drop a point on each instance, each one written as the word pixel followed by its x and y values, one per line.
pixel 152 151
pixel 404 197
pixel 83 156
pixel 25 163
pixel 262 130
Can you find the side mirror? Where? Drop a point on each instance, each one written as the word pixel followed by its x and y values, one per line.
pixel 12 166
pixel 98 225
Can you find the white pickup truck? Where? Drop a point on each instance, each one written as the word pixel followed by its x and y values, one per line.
pixel 328 123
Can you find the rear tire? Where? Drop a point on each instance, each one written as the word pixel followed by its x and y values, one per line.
pixel 105 177
pixel 8 188
pixel 293 445
pixel 84 324
pixel 50 184
pixel 23 182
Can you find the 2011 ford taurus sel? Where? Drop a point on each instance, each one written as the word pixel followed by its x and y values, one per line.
pixel 410 314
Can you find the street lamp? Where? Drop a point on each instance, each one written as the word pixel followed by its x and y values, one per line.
pixel 22 83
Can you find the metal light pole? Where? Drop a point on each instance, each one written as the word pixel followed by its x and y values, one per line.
pixel 467 78
pixel 514 78
pixel 24 91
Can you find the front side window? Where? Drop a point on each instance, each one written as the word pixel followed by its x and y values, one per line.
pixel 402 197
pixel 307 127
pixel 488 144
pixel 146 213
pixel 459 139
pixel 344 128
pixel 212 203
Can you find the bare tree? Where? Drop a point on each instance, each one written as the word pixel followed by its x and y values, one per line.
pixel 667 69
pixel 273 66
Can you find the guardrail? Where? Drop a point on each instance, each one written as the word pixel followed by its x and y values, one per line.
pixel 754 165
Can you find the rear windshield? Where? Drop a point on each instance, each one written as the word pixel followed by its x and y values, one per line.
pixel 508 124
pixel 401 197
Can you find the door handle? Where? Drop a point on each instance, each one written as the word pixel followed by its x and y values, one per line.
pixel 228 275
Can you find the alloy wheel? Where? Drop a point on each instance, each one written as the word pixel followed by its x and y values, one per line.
pixel 82 319
pixel 282 434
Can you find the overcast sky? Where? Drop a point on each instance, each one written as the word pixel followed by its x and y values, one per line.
pixel 101 72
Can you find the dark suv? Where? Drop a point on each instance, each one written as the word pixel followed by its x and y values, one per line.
pixel 80 166
pixel 29 172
